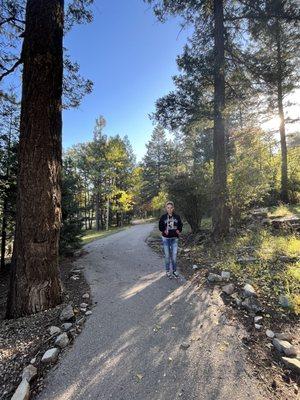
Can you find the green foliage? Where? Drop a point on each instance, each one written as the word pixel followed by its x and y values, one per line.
pixel 71 229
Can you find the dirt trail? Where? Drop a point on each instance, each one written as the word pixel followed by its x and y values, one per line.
pixel 130 346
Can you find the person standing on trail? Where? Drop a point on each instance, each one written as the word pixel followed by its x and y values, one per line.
pixel 170 225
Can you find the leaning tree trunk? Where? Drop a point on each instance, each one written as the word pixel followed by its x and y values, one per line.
pixel 35 283
pixel 284 196
pixel 220 206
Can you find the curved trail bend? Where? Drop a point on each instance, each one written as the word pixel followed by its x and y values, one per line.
pixel 129 348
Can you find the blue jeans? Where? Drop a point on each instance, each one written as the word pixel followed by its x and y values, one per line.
pixel 170 250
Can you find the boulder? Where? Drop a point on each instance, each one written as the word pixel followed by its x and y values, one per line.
pixel 29 372
pixel 248 290
pixel 22 392
pixel 62 340
pixel 50 356
pixel 285 347
pixel 292 363
pixel 228 289
pixel 67 313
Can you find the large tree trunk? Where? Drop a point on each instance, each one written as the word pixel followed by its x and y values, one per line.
pixel 284 196
pixel 220 206
pixel 35 283
pixel 3 232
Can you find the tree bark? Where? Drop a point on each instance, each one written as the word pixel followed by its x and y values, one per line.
pixel 220 206
pixel 284 195
pixel 35 283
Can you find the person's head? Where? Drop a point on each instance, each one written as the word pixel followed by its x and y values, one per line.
pixel 169 207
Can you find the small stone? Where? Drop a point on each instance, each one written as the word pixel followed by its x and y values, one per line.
pixel 214 278
pixel 270 333
pixel 67 313
pixel 284 301
pixel 257 326
pixel 228 289
pixel 258 318
pixel 195 267
pixel 88 312
pixel 284 336
pixel 33 360
pixel 251 304
pixel 50 355
pixel 83 305
pixel 29 372
pixel 225 275
pixel 67 326
pixel 292 363
pixel 54 330
pixel 285 347
pixel 22 392
pixel 248 290
pixel 85 296
pixel 62 340
pixel 75 277
pixel 184 346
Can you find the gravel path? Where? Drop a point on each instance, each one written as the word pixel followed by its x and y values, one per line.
pixel 130 346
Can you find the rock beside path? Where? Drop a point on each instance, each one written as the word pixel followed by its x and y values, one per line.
pixel 248 290
pixel 50 356
pixel 22 392
pixel 251 304
pixel 228 289
pixel 29 372
pixel 285 347
pixel 53 330
pixel 62 340
pixel 67 313
pixel 292 363
pixel 214 277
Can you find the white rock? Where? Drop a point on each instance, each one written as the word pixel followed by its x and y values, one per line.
pixel 257 326
pixel 83 305
pixel 248 290
pixel 195 267
pixel 285 347
pixel 88 312
pixel 67 326
pixel 85 296
pixel 50 355
pixel 225 275
pixel 292 363
pixel 53 330
pixel 258 318
pixel 22 392
pixel 67 313
pixel 62 340
pixel 29 372
pixel 270 333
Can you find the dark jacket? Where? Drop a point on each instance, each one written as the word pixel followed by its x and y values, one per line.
pixel 168 225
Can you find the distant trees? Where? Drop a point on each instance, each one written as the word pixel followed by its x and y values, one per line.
pixel 105 169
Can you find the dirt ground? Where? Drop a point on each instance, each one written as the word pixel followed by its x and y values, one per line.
pixel 26 338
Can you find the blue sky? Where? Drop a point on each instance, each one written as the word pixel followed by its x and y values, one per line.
pixel 131 58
